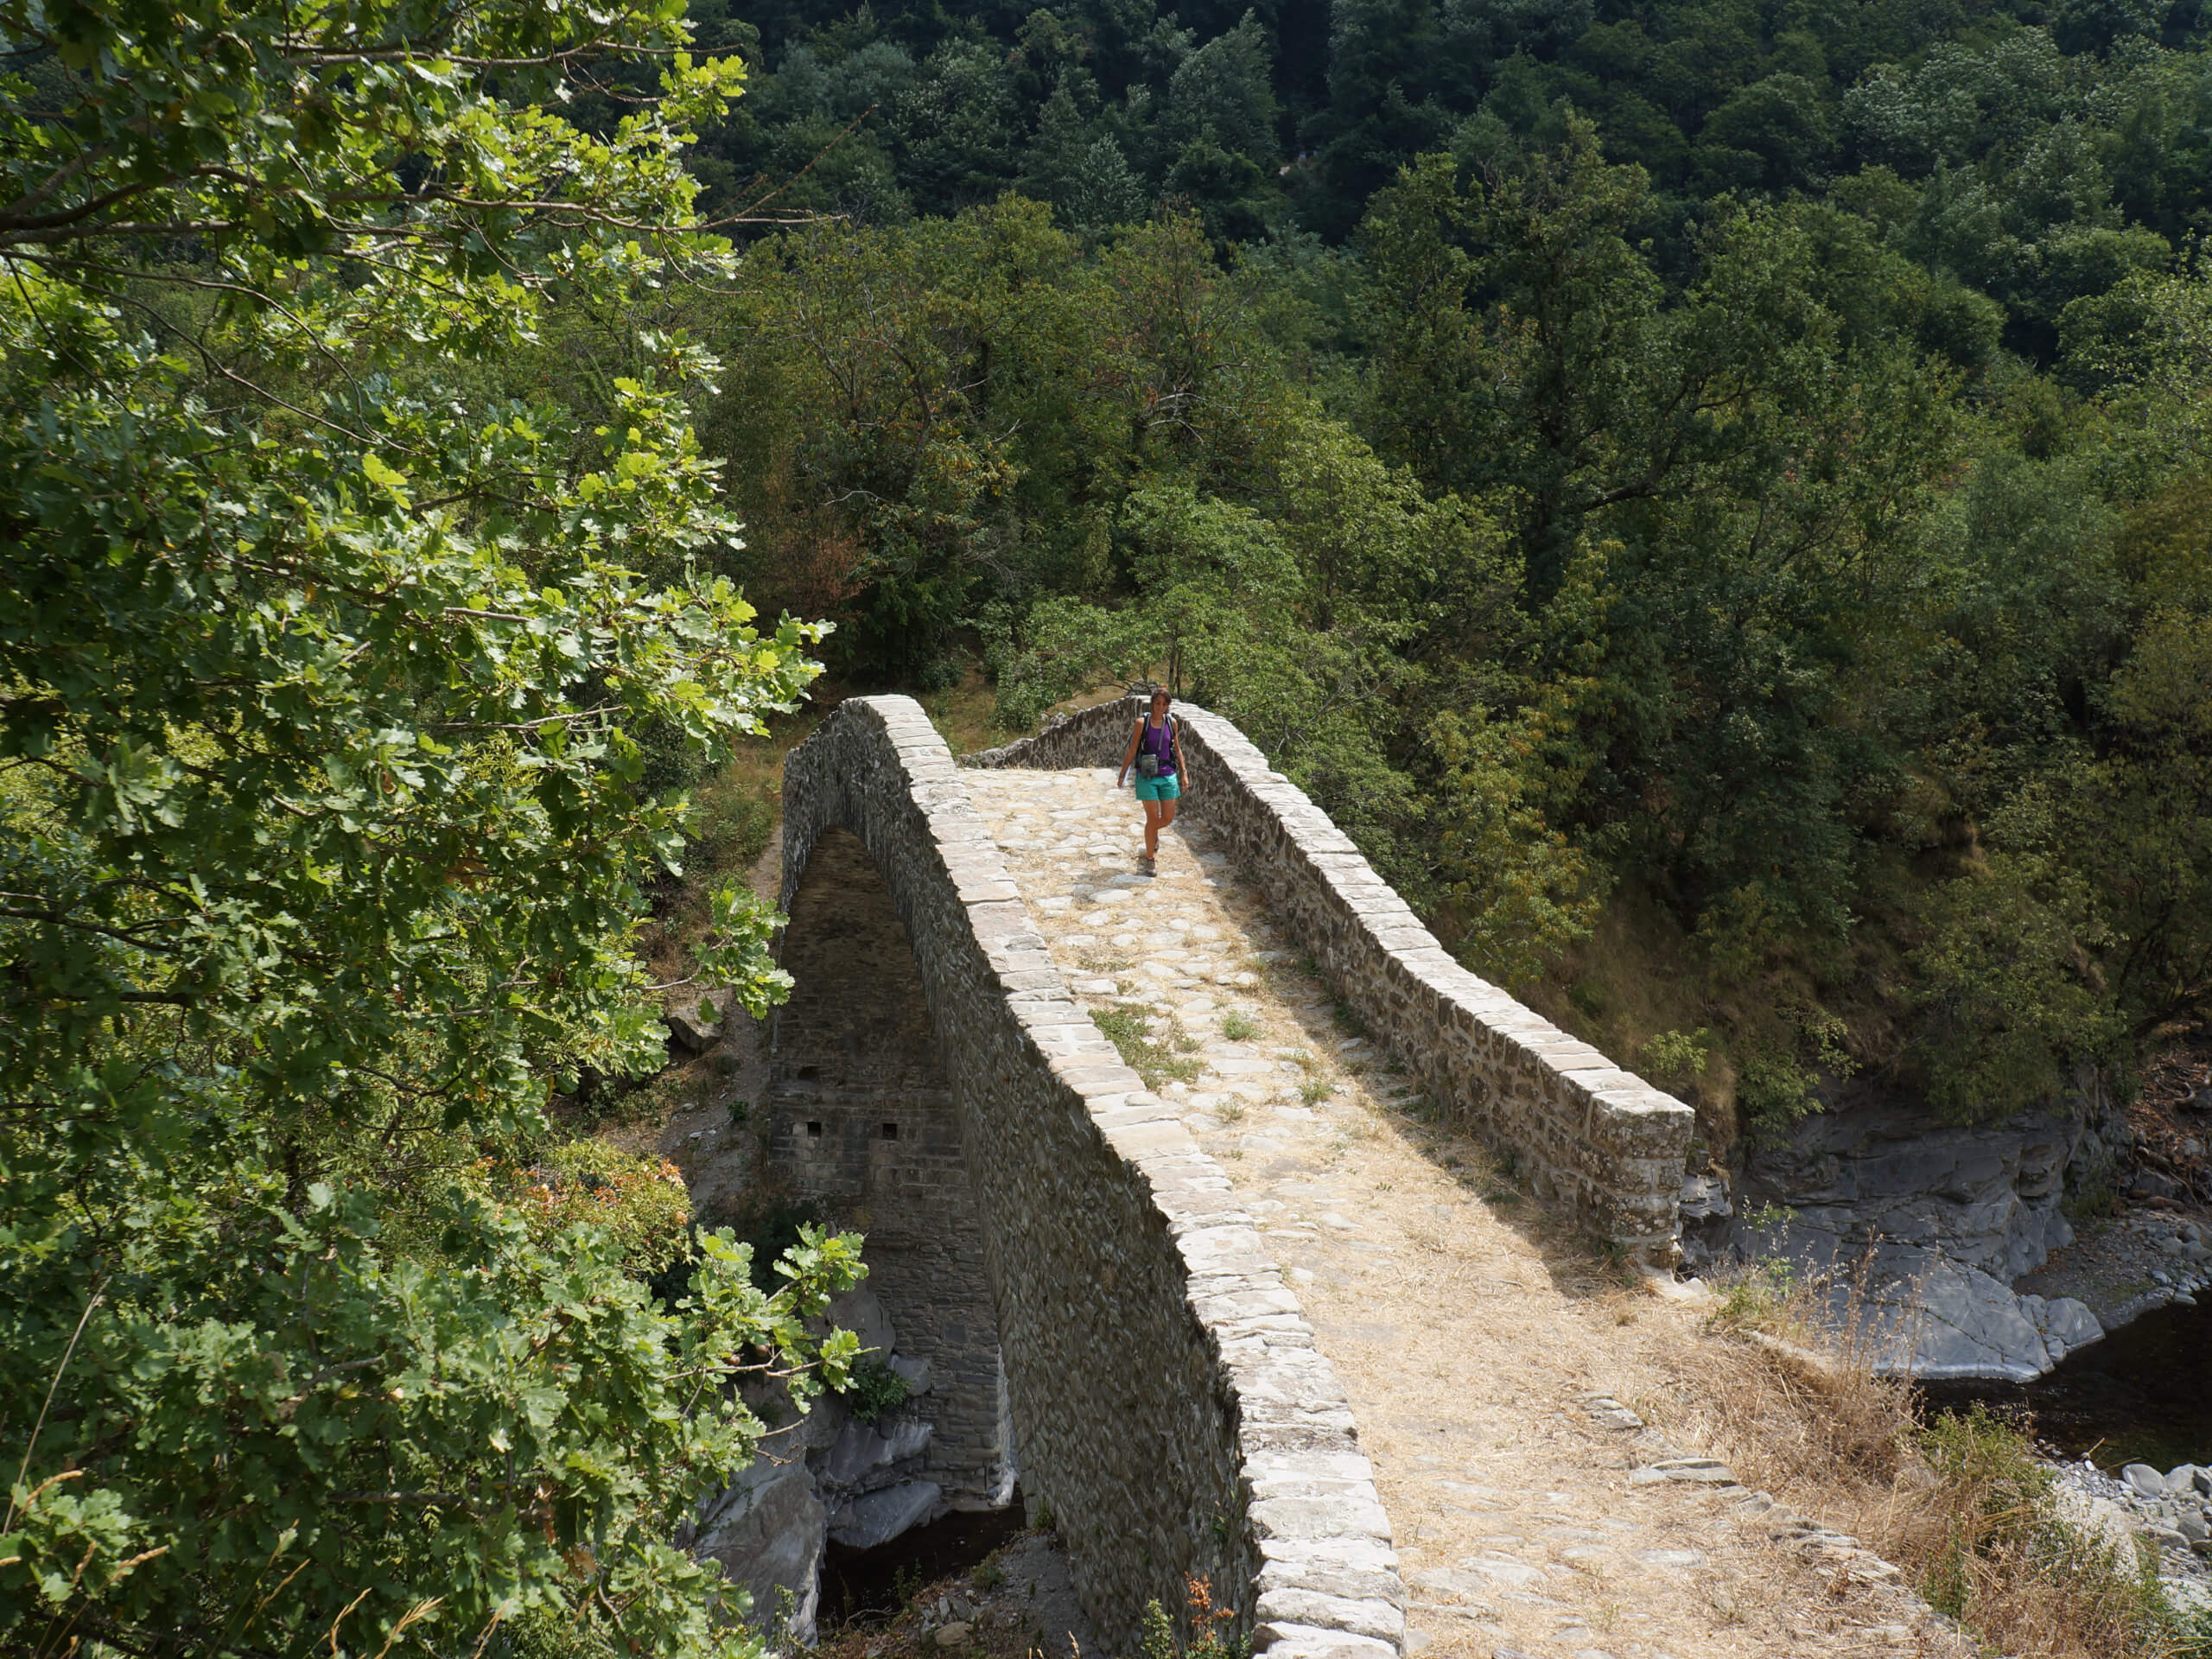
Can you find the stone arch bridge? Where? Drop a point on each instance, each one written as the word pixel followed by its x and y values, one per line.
pixel 1093 1301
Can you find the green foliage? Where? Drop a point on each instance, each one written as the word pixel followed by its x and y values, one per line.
pixel 330 1404
pixel 329 676
pixel 1773 1090
pixel 2005 1523
pixel 873 1388
pixel 1758 1298
pixel 1677 1055
pixel 1238 1027
pixel 638 1202
pixel 770 1224
pixel 1158 1059
pixel 2001 980
pixel 1521 891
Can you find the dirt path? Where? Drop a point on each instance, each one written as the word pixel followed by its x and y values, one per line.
pixel 1502 1380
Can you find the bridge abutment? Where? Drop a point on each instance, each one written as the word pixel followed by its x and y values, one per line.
pixel 863 1122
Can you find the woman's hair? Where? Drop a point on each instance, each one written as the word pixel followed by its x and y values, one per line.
pixel 1160 696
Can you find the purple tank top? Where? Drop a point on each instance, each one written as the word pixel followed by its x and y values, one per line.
pixel 1159 740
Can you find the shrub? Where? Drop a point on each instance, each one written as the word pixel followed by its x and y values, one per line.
pixel 1997 1553
pixel 874 1390
pixel 1678 1056
pixel 641 1202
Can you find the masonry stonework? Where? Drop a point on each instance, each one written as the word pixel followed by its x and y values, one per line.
pixel 1169 1404
pixel 862 1120
pixel 1595 1140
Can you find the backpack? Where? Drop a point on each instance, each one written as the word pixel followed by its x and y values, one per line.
pixel 1148 762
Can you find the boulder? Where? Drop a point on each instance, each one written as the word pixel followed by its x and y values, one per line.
pixel 1953 1322
pixel 766 1531
pixel 881 1516
pixel 2149 1184
pixel 693 1030
pixel 2144 1479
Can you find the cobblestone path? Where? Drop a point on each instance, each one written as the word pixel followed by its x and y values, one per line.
pixel 1514 1395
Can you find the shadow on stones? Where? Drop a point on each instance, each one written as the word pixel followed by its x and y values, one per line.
pixel 1577 1269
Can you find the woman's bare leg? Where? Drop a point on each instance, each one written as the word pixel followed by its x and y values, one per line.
pixel 1152 823
pixel 1167 813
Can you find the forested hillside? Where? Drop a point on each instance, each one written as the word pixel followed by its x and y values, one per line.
pixel 1712 496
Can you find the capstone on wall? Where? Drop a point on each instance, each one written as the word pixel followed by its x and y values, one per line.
pixel 1594 1139
pixel 1170 1407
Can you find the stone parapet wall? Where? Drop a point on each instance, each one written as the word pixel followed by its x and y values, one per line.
pixel 1595 1140
pixel 1171 1407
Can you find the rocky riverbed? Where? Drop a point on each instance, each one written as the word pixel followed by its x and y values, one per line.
pixel 1974 1251
pixel 2122 1268
pixel 2172 1508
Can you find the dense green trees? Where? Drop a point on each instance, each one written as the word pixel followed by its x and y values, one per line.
pixel 1726 483
pixel 324 674
pixel 1752 409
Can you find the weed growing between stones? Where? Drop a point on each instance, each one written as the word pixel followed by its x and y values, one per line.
pixel 1160 1058
pixel 1238 1026
pixel 1207 1623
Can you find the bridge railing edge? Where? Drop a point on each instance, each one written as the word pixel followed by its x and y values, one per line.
pixel 1589 1135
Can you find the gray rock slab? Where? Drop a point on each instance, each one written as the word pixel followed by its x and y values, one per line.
pixel 881 1516
pixel 766 1532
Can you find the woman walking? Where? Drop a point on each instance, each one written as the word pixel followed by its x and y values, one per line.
pixel 1156 750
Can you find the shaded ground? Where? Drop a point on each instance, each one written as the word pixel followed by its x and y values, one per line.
pixel 1018 1603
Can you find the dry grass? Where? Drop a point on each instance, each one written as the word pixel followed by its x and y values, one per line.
pixel 1960 1505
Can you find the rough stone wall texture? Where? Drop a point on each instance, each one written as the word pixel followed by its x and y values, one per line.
pixel 1874 1175
pixel 861 1118
pixel 1170 1404
pixel 1589 1137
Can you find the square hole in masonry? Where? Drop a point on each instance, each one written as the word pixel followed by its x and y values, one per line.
pixel 891 1131
pixel 814 1131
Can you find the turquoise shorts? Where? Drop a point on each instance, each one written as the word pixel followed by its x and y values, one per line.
pixel 1166 787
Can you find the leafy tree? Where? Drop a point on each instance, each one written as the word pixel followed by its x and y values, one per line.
pixel 1773 135
pixel 1082 173
pixel 324 832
